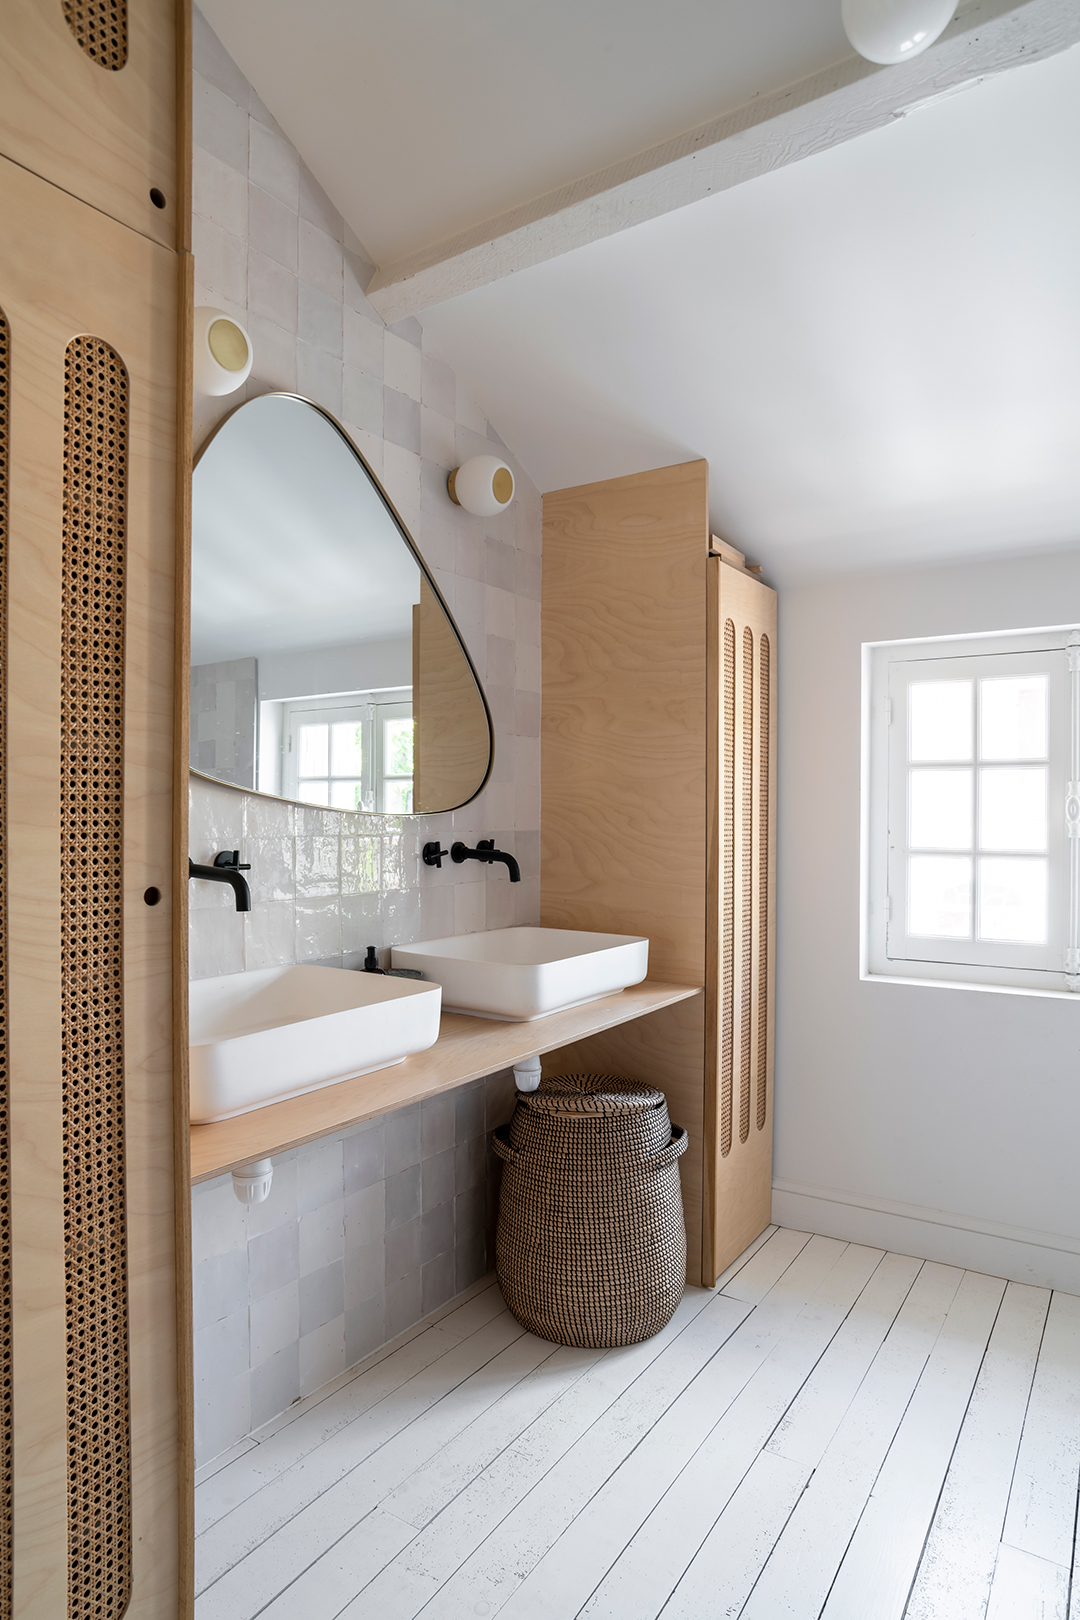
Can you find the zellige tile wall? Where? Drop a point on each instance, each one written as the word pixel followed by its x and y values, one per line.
pixel 366 1231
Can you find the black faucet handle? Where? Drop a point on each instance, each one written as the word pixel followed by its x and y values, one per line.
pixel 231 859
pixel 433 854
pixel 485 843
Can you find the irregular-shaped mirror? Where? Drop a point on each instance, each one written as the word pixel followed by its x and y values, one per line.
pixel 325 666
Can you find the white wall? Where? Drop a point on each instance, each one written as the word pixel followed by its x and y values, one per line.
pixel 365 667
pixel 368 1230
pixel 943 1122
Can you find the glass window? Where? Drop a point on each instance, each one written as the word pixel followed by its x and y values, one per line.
pixel 971 876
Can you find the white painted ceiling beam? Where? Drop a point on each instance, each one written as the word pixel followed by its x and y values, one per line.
pixel 846 100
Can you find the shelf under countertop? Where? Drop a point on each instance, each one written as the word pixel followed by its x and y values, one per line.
pixel 467 1049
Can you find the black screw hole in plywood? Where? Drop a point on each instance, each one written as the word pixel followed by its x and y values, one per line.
pixel 157 197
pixel 152 896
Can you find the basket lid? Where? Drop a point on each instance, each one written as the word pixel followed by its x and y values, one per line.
pixel 591 1094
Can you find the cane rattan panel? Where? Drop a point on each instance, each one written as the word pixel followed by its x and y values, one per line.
pixel 746 887
pixel 91 851
pixel 100 27
pixel 5 1139
pixel 727 988
pixel 763 882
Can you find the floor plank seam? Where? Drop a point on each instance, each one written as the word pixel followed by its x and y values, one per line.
pixel 862 1435
pixel 366 1459
pixel 420 1529
pixel 578 1439
pixel 720 1416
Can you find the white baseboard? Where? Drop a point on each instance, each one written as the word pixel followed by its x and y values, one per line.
pixel 1046 1259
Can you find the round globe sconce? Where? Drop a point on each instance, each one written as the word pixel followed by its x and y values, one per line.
pixel 484 486
pixel 889 31
pixel 223 355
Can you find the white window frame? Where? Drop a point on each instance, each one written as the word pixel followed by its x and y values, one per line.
pixel 886 953
pixel 369 708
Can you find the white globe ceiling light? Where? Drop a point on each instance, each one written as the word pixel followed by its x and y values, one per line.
pixel 223 357
pixel 483 485
pixel 890 31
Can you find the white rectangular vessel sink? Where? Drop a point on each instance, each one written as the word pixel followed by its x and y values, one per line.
pixel 515 974
pixel 257 1038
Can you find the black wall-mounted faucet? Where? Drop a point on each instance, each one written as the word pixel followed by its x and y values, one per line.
pixel 485 851
pixel 226 869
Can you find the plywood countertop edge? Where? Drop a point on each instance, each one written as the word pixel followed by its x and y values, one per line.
pixel 467 1049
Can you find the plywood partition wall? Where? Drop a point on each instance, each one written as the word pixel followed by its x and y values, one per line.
pixel 623 767
pixel 649 827
pixel 88 101
pixel 89 292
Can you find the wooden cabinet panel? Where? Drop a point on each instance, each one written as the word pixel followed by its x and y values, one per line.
pixel 106 135
pixel 67 271
pixel 622 768
pixel 741 946
pixel 658 814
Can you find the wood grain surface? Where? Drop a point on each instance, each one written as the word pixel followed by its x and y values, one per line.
pixel 66 269
pixel 107 137
pixel 467 1049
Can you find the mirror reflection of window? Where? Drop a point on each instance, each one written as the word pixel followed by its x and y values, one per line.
pixel 396 759
pixel 352 752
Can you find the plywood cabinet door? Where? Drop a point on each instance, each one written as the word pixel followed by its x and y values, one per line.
pixel 88 101
pixel 740 971
pixel 89 320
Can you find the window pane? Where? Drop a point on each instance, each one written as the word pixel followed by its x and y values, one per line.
pixel 1012 808
pixel 347 748
pixel 940 814
pixel 1012 900
pixel 313 746
pixel 345 795
pixel 397 747
pixel 939 896
pixel 939 720
pixel 315 792
pixel 397 797
pixel 1012 722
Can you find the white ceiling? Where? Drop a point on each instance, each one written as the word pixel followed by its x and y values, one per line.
pixel 424 117
pixel 877 349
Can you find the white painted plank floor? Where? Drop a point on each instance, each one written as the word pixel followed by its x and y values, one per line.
pixel 833 1432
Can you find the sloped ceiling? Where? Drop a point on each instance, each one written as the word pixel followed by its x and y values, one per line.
pixel 424 117
pixel 877 349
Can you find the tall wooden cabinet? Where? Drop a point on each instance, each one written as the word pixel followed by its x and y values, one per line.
pixel 658 774
pixel 94 206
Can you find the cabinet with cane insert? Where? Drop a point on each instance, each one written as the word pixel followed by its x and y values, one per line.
pixel 658 806
pixel 91 271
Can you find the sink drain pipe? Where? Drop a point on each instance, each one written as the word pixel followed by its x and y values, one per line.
pixel 251 1183
pixel 527 1074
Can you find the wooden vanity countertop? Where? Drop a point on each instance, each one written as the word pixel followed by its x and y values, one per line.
pixel 467 1049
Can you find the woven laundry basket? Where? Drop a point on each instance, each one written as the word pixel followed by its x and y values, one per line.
pixel 591 1242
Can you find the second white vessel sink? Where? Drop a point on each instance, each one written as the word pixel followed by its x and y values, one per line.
pixel 259 1037
pixel 516 974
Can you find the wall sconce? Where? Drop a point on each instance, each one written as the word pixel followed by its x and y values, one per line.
pixel 223 354
pixel 483 485
pixel 890 31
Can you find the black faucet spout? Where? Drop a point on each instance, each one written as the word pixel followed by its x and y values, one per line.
pixel 485 851
pixel 226 869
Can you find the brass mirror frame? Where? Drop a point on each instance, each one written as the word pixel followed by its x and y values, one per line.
pixel 410 543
